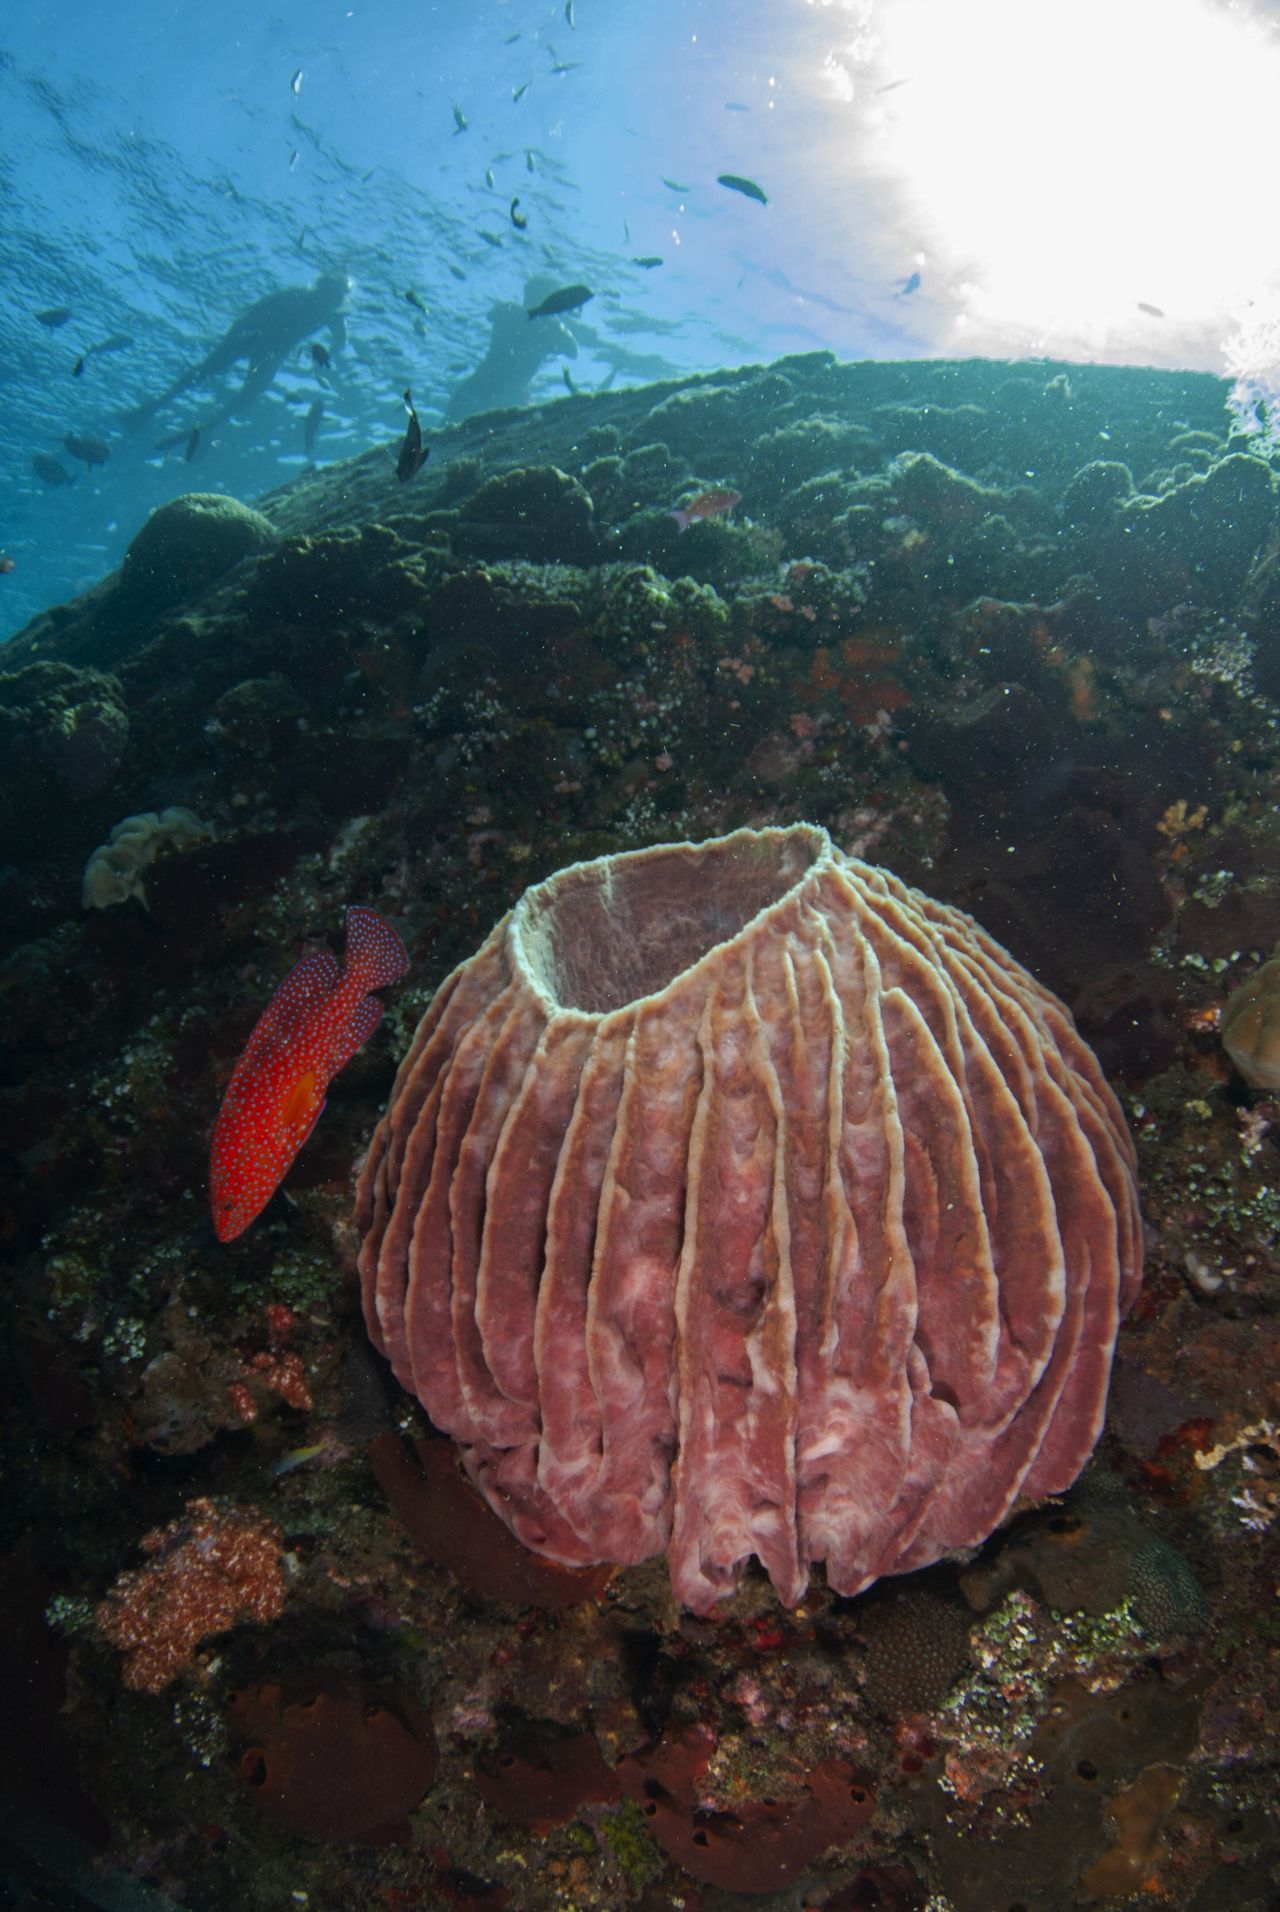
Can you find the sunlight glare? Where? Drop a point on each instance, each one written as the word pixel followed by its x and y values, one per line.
pixel 1073 159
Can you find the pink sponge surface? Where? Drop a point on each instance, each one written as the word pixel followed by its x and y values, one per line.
pixel 735 1199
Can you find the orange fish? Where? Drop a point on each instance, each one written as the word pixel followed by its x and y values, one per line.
pixel 707 504
pixel 311 1028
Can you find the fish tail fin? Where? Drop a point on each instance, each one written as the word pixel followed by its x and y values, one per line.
pixel 682 518
pixel 374 952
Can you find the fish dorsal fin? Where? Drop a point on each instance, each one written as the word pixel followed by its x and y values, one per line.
pixel 374 952
pixel 354 1033
pixel 308 984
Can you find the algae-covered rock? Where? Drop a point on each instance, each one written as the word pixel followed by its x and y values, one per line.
pixel 600 441
pixel 63 732
pixel 783 459
pixel 605 481
pixel 716 421
pixel 654 474
pixel 188 544
pixel 1094 496
pixel 336 578
pixel 810 514
pixel 536 512
pixel 953 434
pixel 942 499
pixel 1211 526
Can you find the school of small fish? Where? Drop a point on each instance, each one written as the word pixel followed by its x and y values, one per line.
pixel 565 299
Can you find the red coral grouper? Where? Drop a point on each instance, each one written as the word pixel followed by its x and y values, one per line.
pixel 311 1028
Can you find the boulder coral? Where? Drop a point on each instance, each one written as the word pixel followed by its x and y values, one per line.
pixel 187 545
pixel 737 1199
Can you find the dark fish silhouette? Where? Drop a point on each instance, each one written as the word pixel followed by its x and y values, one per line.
pixel 91 450
pixel 1152 311
pixel 49 471
pixel 53 316
pixel 116 343
pixel 566 298
pixel 460 121
pixel 6 564
pixel 311 429
pixel 566 66
pixel 518 219
pixel 649 261
pixel 672 186
pixel 320 353
pixel 569 385
pixel 518 92
pixel 413 456
pixel 171 439
pixel 747 187
pixel 908 286
pixel 416 302
pixel 568 13
pixel 491 239
pixel 457 271
pixel 193 443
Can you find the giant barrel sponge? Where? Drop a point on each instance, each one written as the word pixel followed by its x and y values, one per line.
pixel 735 1198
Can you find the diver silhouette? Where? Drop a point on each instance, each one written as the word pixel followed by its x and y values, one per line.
pixel 264 335
pixel 518 347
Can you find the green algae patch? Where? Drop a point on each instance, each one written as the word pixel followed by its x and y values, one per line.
pixel 627 1837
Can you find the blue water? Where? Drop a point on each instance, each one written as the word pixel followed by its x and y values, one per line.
pixel 159 173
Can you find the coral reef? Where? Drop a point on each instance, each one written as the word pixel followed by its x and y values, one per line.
pixel 1009 631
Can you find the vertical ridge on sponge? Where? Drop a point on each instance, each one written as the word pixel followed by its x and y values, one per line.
pixel 736 1199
